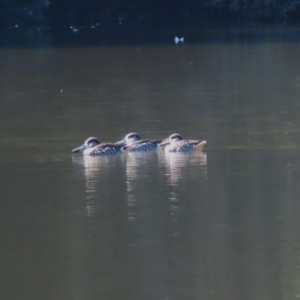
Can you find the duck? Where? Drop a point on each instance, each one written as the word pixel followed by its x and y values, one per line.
pixel 133 143
pixel 175 143
pixel 93 147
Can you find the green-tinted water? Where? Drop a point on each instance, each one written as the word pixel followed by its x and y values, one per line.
pixel 221 225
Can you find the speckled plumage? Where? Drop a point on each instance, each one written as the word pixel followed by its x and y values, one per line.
pixel 94 148
pixel 175 143
pixel 133 143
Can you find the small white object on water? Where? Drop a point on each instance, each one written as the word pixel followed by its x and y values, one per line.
pixel 61 91
pixel 178 40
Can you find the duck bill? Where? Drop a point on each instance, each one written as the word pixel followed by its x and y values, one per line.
pixel 78 149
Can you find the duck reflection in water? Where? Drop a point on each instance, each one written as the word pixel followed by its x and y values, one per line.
pixel 177 164
pixel 93 168
pixel 182 167
pixel 137 168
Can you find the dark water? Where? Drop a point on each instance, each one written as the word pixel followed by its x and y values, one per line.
pixel 219 225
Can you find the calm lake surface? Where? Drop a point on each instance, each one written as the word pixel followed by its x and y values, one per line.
pixel 223 224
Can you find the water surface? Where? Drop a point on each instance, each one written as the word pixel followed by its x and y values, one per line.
pixel 218 225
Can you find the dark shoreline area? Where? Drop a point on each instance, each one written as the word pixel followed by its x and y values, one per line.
pixel 138 38
pixel 44 23
pixel 59 16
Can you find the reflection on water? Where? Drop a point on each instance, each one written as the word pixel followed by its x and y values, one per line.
pixel 177 167
pixel 221 225
pixel 137 166
pixel 175 162
pixel 92 166
pixel 99 172
pixel 180 167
